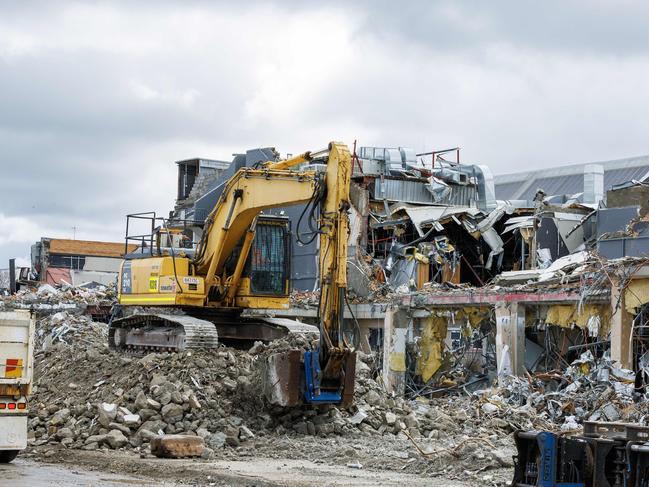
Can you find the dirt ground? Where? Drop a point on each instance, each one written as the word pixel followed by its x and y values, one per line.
pixel 56 466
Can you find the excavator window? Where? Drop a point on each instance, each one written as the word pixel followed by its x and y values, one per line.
pixel 268 263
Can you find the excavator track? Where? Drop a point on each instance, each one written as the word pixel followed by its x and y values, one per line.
pixel 161 332
pixel 150 331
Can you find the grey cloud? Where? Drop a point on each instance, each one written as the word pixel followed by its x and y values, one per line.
pixel 579 26
pixel 513 83
pixel 93 94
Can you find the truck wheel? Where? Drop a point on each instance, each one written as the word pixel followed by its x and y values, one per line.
pixel 7 456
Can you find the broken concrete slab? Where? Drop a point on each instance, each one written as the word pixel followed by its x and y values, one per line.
pixel 177 446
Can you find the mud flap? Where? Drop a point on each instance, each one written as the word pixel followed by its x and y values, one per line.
pixel 282 378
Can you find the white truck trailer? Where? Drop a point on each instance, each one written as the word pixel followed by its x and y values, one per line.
pixel 16 370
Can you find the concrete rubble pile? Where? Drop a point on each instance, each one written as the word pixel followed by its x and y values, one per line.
pixel 69 328
pixel 89 397
pixel 375 292
pixel 304 299
pixel 588 390
pixel 49 298
pixel 84 393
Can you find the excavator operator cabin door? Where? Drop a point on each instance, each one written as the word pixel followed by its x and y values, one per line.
pixel 268 264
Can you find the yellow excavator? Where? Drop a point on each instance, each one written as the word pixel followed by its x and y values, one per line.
pixel 173 298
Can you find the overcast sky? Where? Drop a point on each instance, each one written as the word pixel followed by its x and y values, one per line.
pixel 97 100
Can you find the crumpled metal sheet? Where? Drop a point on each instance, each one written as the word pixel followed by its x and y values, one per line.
pixel 402 272
pixel 494 241
pixel 526 221
pixel 432 215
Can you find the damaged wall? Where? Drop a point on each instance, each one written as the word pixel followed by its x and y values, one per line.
pixel 636 195
pixel 73 262
pixel 591 317
pixel 510 338
pixel 431 346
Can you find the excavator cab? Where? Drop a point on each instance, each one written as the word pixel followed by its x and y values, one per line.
pixel 266 274
pixel 158 266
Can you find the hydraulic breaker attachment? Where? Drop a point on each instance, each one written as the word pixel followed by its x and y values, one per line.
pixel 627 463
pixel 535 464
pixel 600 469
pixel 607 455
pixel 320 390
pixel 294 377
pixel 607 429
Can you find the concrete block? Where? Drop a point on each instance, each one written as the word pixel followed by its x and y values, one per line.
pixel 177 446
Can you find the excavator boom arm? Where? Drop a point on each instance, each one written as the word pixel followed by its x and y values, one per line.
pixel 334 234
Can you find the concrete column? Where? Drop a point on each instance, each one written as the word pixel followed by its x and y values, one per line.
pixel 394 350
pixel 12 276
pixel 364 326
pixel 510 338
pixel 621 324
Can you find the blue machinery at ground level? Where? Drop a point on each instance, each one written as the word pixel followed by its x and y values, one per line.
pixel 313 392
pixel 606 455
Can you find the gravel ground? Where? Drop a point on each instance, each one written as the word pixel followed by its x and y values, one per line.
pixel 114 468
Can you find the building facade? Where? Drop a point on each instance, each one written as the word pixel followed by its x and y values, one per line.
pixel 74 262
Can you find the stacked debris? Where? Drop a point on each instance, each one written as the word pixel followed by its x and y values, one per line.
pixel 90 391
pixel 304 299
pixel 588 390
pixel 69 328
pixel 89 397
pixel 48 298
pixel 374 292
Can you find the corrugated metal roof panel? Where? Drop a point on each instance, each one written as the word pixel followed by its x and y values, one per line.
pixel 400 190
pixel 88 247
pixel 507 191
pixel 618 176
pixel 564 170
pixel 561 184
pixel 555 185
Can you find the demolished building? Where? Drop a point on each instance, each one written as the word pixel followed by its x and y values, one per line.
pixel 73 262
pixel 457 276
pixel 496 315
